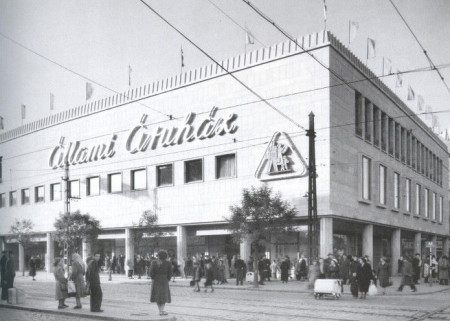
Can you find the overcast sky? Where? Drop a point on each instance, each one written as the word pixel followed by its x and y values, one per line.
pixel 98 39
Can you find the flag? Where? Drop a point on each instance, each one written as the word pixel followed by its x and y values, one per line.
pixel 387 66
pixel 434 121
pixel 353 27
pixel 428 109
pixel 411 94
pixel 399 82
pixel 371 53
pixel 324 11
pixel 89 90
pixel 447 137
pixel 1 123
pixel 420 102
pixel 52 101
pixel 129 75
pixel 249 39
pixel 23 111
pixel 182 58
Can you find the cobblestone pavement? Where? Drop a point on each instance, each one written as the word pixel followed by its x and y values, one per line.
pixel 20 315
pixel 231 305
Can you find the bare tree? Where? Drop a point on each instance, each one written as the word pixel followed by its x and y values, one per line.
pixel 147 231
pixel 22 232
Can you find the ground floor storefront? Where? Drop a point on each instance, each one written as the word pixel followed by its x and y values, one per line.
pixel 337 236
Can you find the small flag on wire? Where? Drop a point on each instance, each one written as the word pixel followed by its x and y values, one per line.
pixel 353 27
pixel 1 123
pixel 249 39
pixel 371 53
pixel 428 109
pixel 129 75
pixel 23 111
pixel 52 101
pixel 411 94
pixel 89 90
pixel 399 82
pixel 420 102
pixel 387 66
pixel 182 57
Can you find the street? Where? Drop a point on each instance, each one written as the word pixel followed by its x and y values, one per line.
pixel 244 304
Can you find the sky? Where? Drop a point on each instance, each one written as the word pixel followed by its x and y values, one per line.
pixel 99 39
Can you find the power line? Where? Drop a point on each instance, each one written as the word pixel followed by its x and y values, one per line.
pixel 422 47
pixel 222 67
pixel 74 72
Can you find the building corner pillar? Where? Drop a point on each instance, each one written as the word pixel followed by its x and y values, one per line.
pixel 395 250
pixel 434 248
pixel 326 236
pixel 21 258
pixel 129 249
pixel 50 254
pixel 181 247
pixel 367 242
pixel 245 250
pixel 418 243
pixel 445 246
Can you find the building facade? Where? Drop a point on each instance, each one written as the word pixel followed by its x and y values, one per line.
pixel 185 148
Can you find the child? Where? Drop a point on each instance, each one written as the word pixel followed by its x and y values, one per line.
pixel 196 276
pixel 209 274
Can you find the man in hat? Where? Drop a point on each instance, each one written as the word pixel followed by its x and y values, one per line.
pixel 10 273
pixel 3 260
pixel 92 276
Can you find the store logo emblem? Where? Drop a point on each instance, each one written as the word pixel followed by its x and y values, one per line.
pixel 281 160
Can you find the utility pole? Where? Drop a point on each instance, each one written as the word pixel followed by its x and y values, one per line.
pixel 66 196
pixel 313 223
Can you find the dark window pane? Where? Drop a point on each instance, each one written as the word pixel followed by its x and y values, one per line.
pixel 193 170
pixel 164 175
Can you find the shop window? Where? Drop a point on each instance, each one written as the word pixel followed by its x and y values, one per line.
pixel 25 196
pixel 164 175
pixel 74 188
pixel 359 113
pixel 384 122
pixel 55 192
pixel 226 166
pixel 2 200
pixel 408 195
pixel 418 200
pixel 396 190
pixel 382 184
pixel 93 186
pixel 115 183
pixel 39 194
pixel 12 198
pixel 426 202
pixel 139 179
pixel 366 178
pixel 376 126
pixel 193 171
pixel 368 121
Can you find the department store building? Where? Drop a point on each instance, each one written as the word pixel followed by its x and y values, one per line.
pixel 186 146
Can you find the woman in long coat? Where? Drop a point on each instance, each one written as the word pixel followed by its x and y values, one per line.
pixel 284 268
pixel 161 273
pixel 383 274
pixel 33 267
pixel 364 275
pixel 61 283
pixel 443 270
pixel 77 276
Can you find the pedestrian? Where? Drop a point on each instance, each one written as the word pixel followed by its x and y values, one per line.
pixel 274 269
pixel 93 277
pixel 130 265
pixel 209 275
pixel 261 270
pixel 407 273
pixel 3 260
pixel 33 267
pixel 400 264
pixel 426 269
pixel 313 274
pixel 321 268
pixel 364 276
pixel 267 273
pixel 302 268
pixel 196 276
pixel 250 264
pixel 383 274
pixel 175 268
pixel 443 266
pixel 227 267
pixel 433 270
pixel 161 273
pixel 10 273
pixel 187 267
pixel 417 266
pixel 221 272
pixel 333 269
pixel 77 276
pixel 239 266
pixel 344 270
pixel 284 268
pixel 61 283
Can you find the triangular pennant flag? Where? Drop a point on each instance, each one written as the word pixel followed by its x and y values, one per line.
pixel 371 53
pixel 387 66
pixel 411 94
pixel 352 30
pixel 249 39
pixel 89 90
pixel 52 101
pixel 23 111
pixel 182 57
pixel 420 102
pixel 399 82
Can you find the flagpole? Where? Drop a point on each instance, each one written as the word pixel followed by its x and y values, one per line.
pixel 349 30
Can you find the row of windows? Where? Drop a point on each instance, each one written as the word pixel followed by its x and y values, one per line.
pixel 193 172
pixel 426 202
pixel 377 128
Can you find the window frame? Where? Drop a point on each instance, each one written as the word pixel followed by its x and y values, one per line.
pixel 52 194
pixel 23 200
pixel 217 169
pixel 2 200
pixel 109 176
pixel 418 200
pixel 36 194
pixel 396 190
pixel 185 170
pixel 88 185
pixel 408 186
pixel 369 179
pixel 70 188
pixel 157 168
pixel 132 179
pixel 382 182
pixel 13 201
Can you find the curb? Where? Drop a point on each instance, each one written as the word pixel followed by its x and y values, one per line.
pixel 86 316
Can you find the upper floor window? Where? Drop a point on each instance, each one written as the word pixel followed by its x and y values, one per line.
pixel 441 209
pixel 39 195
pixel 366 178
pixel 193 171
pixel 434 207
pixel 74 188
pixel 408 195
pixel 418 200
pixel 55 192
pixel 368 121
pixel 391 136
pixel 164 175
pixel 25 193
pixel 397 141
pixel 376 126
pixel 359 114
pixel 382 184
pixel 426 203
pixel 396 190
pixel 226 166
pixel 384 125
pixel 408 148
pixel 2 200
pixel 93 186
pixel 115 183
pixel 138 179
pixel 12 198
